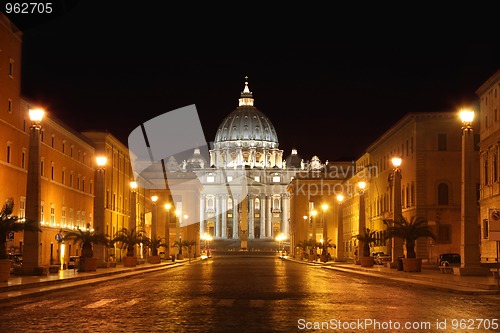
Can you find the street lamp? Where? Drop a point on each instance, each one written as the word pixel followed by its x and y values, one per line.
pixel 99 208
pixel 154 217
pixel 362 217
pixel 340 230
pixel 469 245
pixel 280 239
pixel 168 208
pixel 32 253
pixel 313 222
pixel 397 211
pixel 133 206
pixel 324 208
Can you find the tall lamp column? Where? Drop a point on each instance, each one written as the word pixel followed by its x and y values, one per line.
pixel 168 208
pixel 469 229
pixel 32 252
pixel 362 217
pixel 340 230
pixel 397 211
pixel 154 216
pixel 99 216
pixel 133 206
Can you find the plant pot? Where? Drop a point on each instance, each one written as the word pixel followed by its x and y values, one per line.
pixel 180 256
pixel 88 264
pixel 154 259
pixel 5 266
pixel 129 261
pixel 323 258
pixel 412 264
pixel 367 261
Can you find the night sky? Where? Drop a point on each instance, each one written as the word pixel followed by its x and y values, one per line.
pixel 331 79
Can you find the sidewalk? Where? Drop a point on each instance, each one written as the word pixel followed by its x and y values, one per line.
pixel 18 286
pixel 429 276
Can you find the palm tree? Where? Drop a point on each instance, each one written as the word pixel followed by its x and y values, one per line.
pixel 409 231
pixel 9 223
pixel 87 238
pixel 367 238
pixel 325 245
pixel 189 245
pixel 128 239
pixel 154 244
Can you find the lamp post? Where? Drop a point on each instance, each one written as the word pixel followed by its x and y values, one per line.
pixel 469 244
pixel 340 230
pixel 154 216
pixel 133 206
pixel 397 211
pixel 32 252
pixel 280 239
pixel 362 217
pixel 324 208
pixel 313 222
pixel 168 208
pixel 99 216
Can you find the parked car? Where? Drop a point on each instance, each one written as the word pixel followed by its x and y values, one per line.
pixel 382 258
pixel 449 259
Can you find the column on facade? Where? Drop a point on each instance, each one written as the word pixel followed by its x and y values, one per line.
pixel 202 213
pixel 269 224
pixel 285 217
pixel 263 216
pixel 236 216
pixel 219 212
pixel 251 215
pixel 223 213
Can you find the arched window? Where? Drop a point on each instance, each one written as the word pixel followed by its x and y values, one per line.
pixel 443 195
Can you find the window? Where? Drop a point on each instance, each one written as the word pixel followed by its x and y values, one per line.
pixel 495 167
pixel 485 170
pixel 42 135
pixel 443 194
pixel 52 140
pixel 71 151
pixel 23 159
pixel 442 142
pixel 257 204
pixel 257 178
pixel 444 233
pixel 210 203
pixel 52 214
pixel 22 207
pixel 210 178
pixel 41 213
pixel 276 179
pixel 63 216
pixel 64 146
pixel 71 179
pixel 485 229
pixel 229 178
pixel 52 171
pixel 229 203
pixel 11 68
pixel 71 216
pixel 63 176
pixel 8 153
pixel 9 106
pixel 41 168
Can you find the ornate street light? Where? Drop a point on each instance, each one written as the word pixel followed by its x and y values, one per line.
pixel 340 230
pixel 397 210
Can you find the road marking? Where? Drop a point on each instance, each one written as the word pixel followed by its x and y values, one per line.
pixel 64 305
pixel 257 303
pixel 225 302
pixel 128 304
pixel 99 303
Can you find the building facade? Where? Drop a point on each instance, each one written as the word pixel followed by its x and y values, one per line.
pixel 489 118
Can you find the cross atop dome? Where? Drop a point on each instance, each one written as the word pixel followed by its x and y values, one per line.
pixel 246 95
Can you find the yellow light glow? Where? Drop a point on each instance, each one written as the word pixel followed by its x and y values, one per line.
pixel 324 207
pixel 340 198
pixel 168 206
pixel 154 198
pixel 185 216
pixel 396 161
pixel 101 161
pixel 305 217
pixel 133 185
pixel 362 185
pixel 36 114
pixel 467 116
pixel 177 212
pixel 314 213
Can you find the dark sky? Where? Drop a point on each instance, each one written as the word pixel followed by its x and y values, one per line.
pixel 330 78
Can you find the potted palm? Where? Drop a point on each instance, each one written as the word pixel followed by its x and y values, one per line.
pixel 127 240
pixel 325 245
pixel 180 245
pixel 154 244
pixel 87 238
pixel 367 238
pixel 189 245
pixel 8 224
pixel 410 231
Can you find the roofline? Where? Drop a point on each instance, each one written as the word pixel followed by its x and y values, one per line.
pixel 489 82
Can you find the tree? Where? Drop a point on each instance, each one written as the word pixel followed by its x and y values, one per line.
pixel 86 238
pixel 154 244
pixel 368 237
pixel 327 244
pixel 128 239
pixel 409 231
pixel 9 223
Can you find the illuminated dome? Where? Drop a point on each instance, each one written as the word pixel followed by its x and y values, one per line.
pixel 248 124
pixel 196 160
